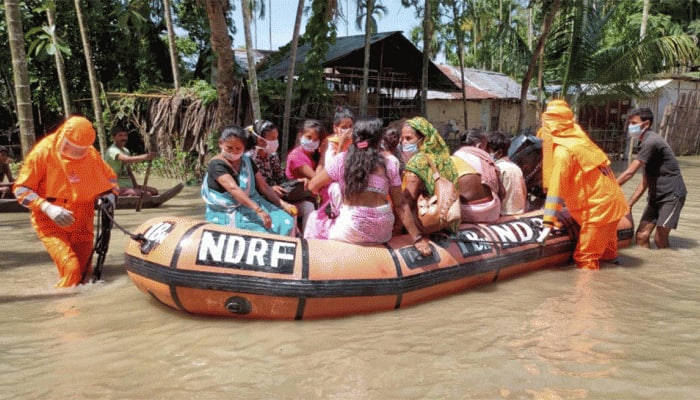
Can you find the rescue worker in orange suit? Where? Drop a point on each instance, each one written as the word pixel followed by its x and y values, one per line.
pixel 577 174
pixel 59 181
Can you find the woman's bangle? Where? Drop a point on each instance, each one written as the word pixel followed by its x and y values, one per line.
pixel 417 238
pixel 258 210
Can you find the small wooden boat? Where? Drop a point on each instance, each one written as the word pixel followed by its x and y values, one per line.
pixel 10 204
pixel 201 268
pixel 124 202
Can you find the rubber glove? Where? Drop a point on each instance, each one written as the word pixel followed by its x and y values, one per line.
pixel 542 238
pixel 58 214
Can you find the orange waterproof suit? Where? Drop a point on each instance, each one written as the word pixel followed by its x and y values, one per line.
pixel 577 174
pixel 51 174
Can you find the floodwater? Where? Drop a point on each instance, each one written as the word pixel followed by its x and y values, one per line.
pixel 624 332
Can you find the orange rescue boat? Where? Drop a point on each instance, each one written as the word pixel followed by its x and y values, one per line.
pixel 202 268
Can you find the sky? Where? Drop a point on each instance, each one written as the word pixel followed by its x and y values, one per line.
pixel 283 12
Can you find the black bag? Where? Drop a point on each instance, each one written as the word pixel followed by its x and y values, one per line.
pixel 296 193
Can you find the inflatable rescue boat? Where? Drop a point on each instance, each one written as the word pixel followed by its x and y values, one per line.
pixel 202 268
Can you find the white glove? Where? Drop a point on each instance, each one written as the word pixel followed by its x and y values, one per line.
pixel 542 238
pixel 111 198
pixel 58 214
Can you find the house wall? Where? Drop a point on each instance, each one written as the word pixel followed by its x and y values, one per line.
pixel 442 112
pixel 669 94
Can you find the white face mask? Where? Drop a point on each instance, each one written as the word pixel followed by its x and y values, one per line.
pixel 309 145
pixel 635 131
pixel 271 146
pixel 231 156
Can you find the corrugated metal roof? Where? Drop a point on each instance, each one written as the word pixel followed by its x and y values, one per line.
pixel 389 51
pixel 480 85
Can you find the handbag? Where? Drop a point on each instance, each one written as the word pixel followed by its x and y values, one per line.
pixel 440 210
pixel 295 192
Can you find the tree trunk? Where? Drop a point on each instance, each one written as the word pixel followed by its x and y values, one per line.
pixel 546 26
pixel 459 35
pixel 25 116
pixel 60 70
pixel 92 75
pixel 365 65
pixel 427 39
pixel 290 78
pixel 250 52
pixel 171 43
pixel 221 46
pixel 645 19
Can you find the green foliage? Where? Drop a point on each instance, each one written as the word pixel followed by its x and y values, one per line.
pixel 203 90
pixel 320 34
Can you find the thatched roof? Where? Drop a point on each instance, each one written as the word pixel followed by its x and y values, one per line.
pixel 390 54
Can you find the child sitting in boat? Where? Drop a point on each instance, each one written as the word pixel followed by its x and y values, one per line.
pixel 264 155
pixel 236 193
pixel 303 163
pixel 366 178
pixel 340 139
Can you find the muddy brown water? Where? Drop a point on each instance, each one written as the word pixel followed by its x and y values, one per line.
pixel 625 332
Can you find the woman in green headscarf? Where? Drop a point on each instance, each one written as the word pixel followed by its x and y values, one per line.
pixel 421 145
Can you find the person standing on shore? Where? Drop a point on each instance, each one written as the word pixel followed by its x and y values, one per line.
pixel 59 181
pixel 661 176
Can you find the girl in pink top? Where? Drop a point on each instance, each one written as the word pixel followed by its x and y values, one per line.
pixel 302 162
pixel 367 179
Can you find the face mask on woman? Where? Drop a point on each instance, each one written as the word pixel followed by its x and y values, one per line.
pixel 308 144
pixel 634 131
pixel 409 147
pixel 231 156
pixel 271 146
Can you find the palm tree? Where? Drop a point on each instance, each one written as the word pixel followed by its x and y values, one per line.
pixel 367 8
pixel 250 52
pixel 58 56
pixel 365 67
pixel 612 69
pixel 221 46
pixel 550 13
pixel 13 17
pixel 290 78
pixel 92 75
pixel 172 48
pixel 428 29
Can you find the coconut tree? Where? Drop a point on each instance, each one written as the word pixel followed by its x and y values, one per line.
pixel 367 9
pixel 550 10
pixel 587 51
pixel 172 48
pixel 23 104
pixel 290 77
pixel 92 76
pixel 246 8
pixel 221 46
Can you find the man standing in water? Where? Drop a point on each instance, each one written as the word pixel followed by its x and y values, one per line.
pixel 577 173
pixel 59 181
pixel 662 176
